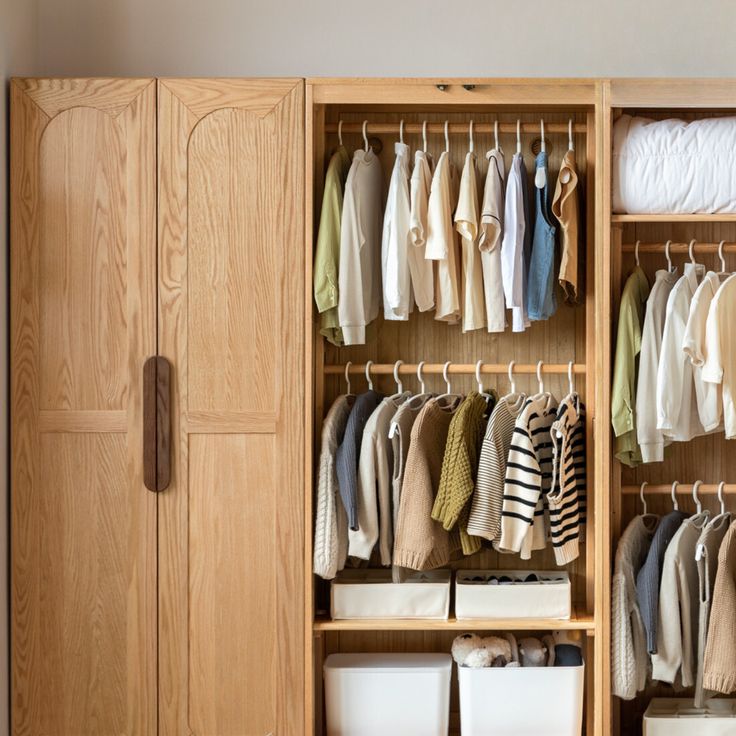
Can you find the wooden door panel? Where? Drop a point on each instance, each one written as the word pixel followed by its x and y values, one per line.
pixel 83 527
pixel 231 316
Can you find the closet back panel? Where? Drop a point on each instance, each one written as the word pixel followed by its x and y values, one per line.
pixel 231 525
pixel 83 286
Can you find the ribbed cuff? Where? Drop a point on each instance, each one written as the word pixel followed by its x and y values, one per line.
pixel 721 682
pixel 416 560
pixel 568 552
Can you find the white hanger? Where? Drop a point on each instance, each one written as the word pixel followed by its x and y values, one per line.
pixel 347 376
pixel 495 135
pixel 540 379
pixel 477 376
pixel 541 126
pixel 675 505
pixel 718 519
pixel 540 175
pixel 641 496
pixel 518 136
pixel 365 135
pixel 420 377
pixel 470 136
pixel 721 486
pixel 397 378
pixel 339 131
pixel 447 377
pixel 447 137
pixel 368 375
pixel 570 379
pixel 667 256
pixel 696 498
pixel 424 136
pixel 722 257
pixel 512 381
pixel 570 141
pixel 636 252
pixel 691 251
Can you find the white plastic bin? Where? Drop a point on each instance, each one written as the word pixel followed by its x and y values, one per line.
pixel 387 694
pixel 521 701
pixel 372 594
pixel 679 717
pixel 547 597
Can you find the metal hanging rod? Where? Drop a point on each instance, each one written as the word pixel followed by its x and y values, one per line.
pixel 678 247
pixel 457 368
pixel 685 489
pixel 456 128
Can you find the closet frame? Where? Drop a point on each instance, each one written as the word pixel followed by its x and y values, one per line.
pixel 700 459
pixel 328 99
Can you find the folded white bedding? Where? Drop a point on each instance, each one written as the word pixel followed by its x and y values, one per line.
pixel 674 166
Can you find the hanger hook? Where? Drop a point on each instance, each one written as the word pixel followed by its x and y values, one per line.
pixel 636 252
pixel 540 380
pixel 424 136
pixel 397 378
pixel 570 378
pixel 477 376
pixel 720 255
pixel 420 377
pixel 698 505
pixel 447 137
pixel 673 493
pixel 339 131
pixel 401 131
pixel 518 136
pixel 368 375
pixel 570 141
pixel 691 251
pixel 511 376
pixel 347 375
pixel 365 134
pixel 446 377
pixel 541 126
pixel 667 255
pixel 470 136
pixel 641 496
pixel 721 486
pixel 495 134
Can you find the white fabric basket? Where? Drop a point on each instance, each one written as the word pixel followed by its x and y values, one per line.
pixel 549 597
pixel 679 717
pixel 372 594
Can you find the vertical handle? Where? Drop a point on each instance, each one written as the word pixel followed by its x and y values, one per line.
pixel 156 423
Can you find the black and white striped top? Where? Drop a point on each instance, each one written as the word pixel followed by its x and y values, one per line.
pixel 566 498
pixel 528 477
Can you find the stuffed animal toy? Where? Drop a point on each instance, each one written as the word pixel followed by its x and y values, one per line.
pixel 478 658
pixel 463 645
pixel 532 652
pixel 499 649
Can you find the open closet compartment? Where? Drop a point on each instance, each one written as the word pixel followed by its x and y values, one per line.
pixel 571 335
pixel 709 458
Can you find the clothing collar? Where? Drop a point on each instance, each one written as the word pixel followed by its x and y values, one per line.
pixel 693 273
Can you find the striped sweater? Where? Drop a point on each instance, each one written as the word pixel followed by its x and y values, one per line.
pixel 566 499
pixel 528 478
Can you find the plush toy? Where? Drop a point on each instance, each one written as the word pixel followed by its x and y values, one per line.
pixel 568 648
pixel 499 649
pixel 478 658
pixel 464 645
pixel 532 652
pixel 511 639
pixel 549 642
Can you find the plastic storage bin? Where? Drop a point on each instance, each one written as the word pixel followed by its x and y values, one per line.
pixel 521 701
pixel 679 717
pixel 387 694
pixel 372 594
pixel 548 597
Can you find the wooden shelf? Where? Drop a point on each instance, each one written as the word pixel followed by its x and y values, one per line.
pixel 583 622
pixel 673 218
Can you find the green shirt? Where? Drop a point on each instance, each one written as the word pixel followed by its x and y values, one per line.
pixel 628 346
pixel 327 254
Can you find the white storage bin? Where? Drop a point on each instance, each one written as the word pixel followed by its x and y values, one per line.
pixel 679 717
pixel 387 694
pixel 521 701
pixel 548 597
pixel 372 594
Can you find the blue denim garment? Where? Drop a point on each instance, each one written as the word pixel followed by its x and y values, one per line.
pixel 541 297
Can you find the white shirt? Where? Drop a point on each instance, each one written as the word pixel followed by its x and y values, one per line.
pixel 677 410
pixel 359 279
pixel 720 350
pixel 442 242
pixel 512 246
pixel 491 229
pixel 397 296
pixel 467 220
pixel 693 343
pixel 422 270
pixel 651 440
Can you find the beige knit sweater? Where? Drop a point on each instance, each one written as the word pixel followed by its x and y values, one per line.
pixel 420 542
pixel 720 652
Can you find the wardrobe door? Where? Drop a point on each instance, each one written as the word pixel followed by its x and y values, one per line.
pixel 83 300
pixel 231 321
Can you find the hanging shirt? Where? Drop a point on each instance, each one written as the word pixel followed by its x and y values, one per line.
pixel 397 296
pixel 720 351
pixel 467 220
pixel 628 345
pixel 327 252
pixel 651 440
pixel 677 410
pixel 565 209
pixel 422 270
pixel 708 395
pixel 491 230
pixel 442 242
pixel 360 247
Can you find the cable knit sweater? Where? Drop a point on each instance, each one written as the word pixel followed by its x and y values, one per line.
pixel 421 543
pixel 459 465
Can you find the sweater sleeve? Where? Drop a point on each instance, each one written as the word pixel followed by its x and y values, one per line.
pixel 363 539
pixel 713 367
pixel 383 455
pixel 623 661
pixel 666 661
pixel 671 368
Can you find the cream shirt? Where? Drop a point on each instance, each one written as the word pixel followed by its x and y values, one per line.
pixel 491 230
pixel 693 343
pixel 720 350
pixel 512 246
pixel 422 271
pixel 467 220
pixel 397 296
pixel 359 291
pixel 677 410
pixel 442 241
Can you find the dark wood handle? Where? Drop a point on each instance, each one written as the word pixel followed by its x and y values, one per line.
pixel 156 423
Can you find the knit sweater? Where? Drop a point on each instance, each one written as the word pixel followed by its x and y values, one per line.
pixel 459 466
pixel 629 656
pixel 421 543
pixel 647 580
pixel 485 511
pixel 348 453
pixel 330 520
pixel 720 653
pixel 708 544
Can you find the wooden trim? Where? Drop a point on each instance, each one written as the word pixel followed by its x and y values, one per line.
pixel 229 422
pixel 673 218
pixel 82 421
pixel 673 92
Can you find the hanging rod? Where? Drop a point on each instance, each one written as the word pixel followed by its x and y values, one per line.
pixel 686 489
pixel 457 368
pixel 678 247
pixel 456 128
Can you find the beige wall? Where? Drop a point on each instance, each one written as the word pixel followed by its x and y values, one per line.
pixel 388 37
